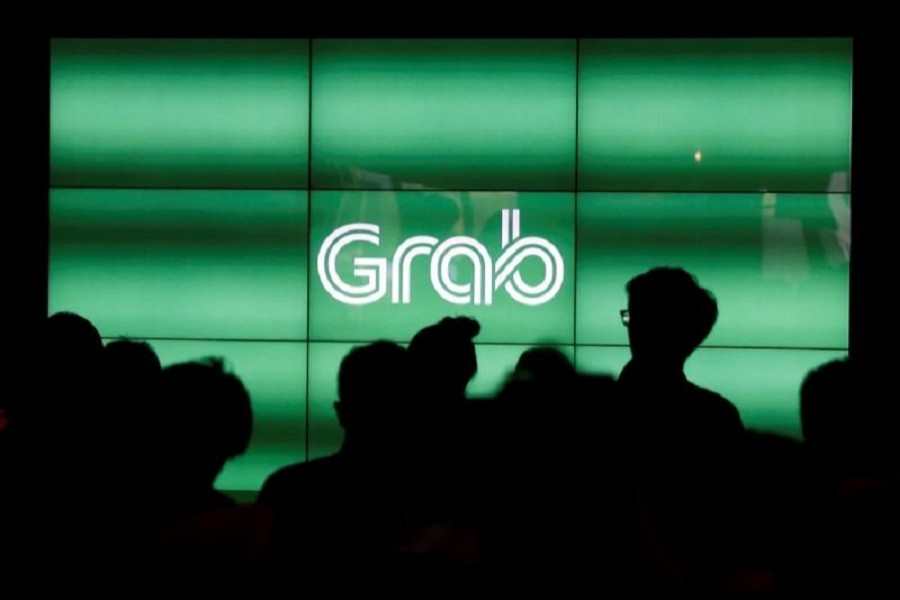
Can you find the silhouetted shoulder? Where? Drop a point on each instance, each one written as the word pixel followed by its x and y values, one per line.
pixel 290 485
pixel 714 407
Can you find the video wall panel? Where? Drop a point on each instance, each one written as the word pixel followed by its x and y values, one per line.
pixel 277 202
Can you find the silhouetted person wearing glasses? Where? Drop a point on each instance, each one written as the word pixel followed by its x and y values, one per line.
pixel 668 317
pixel 685 440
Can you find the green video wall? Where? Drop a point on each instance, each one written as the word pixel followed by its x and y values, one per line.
pixel 277 202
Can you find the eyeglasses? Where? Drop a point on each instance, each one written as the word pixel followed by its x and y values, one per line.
pixel 625 316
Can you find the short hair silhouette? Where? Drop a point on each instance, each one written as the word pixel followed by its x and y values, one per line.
pixel 540 372
pixel 827 400
pixel 69 358
pixel 209 420
pixel 132 359
pixel 669 313
pixel 370 385
pixel 69 337
pixel 545 364
pixel 130 371
pixel 442 356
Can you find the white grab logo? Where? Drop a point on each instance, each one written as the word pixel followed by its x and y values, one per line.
pixel 488 275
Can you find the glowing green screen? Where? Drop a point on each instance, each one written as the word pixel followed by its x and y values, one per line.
pixel 777 263
pixel 714 115
pixel 453 114
pixel 179 113
pixel 251 199
pixel 222 264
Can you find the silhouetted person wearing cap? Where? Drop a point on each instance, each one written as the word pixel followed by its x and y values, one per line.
pixel 686 441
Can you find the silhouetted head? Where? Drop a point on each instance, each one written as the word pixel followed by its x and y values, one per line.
pixel 442 356
pixel 544 364
pixel 68 361
pixel 669 315
pixel 130 371
pixel 541 374
pixel 71 341
pixel 371 388
pixel 130 361
pixel 828 406
pixel 207 419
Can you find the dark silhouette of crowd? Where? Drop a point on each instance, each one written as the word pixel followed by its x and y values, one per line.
pixel 563 482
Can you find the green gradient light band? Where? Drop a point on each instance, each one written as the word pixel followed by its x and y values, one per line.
pixel 451 114
pixel 179 113
pixel 708 115
pixel 778 264
pixel 167 263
